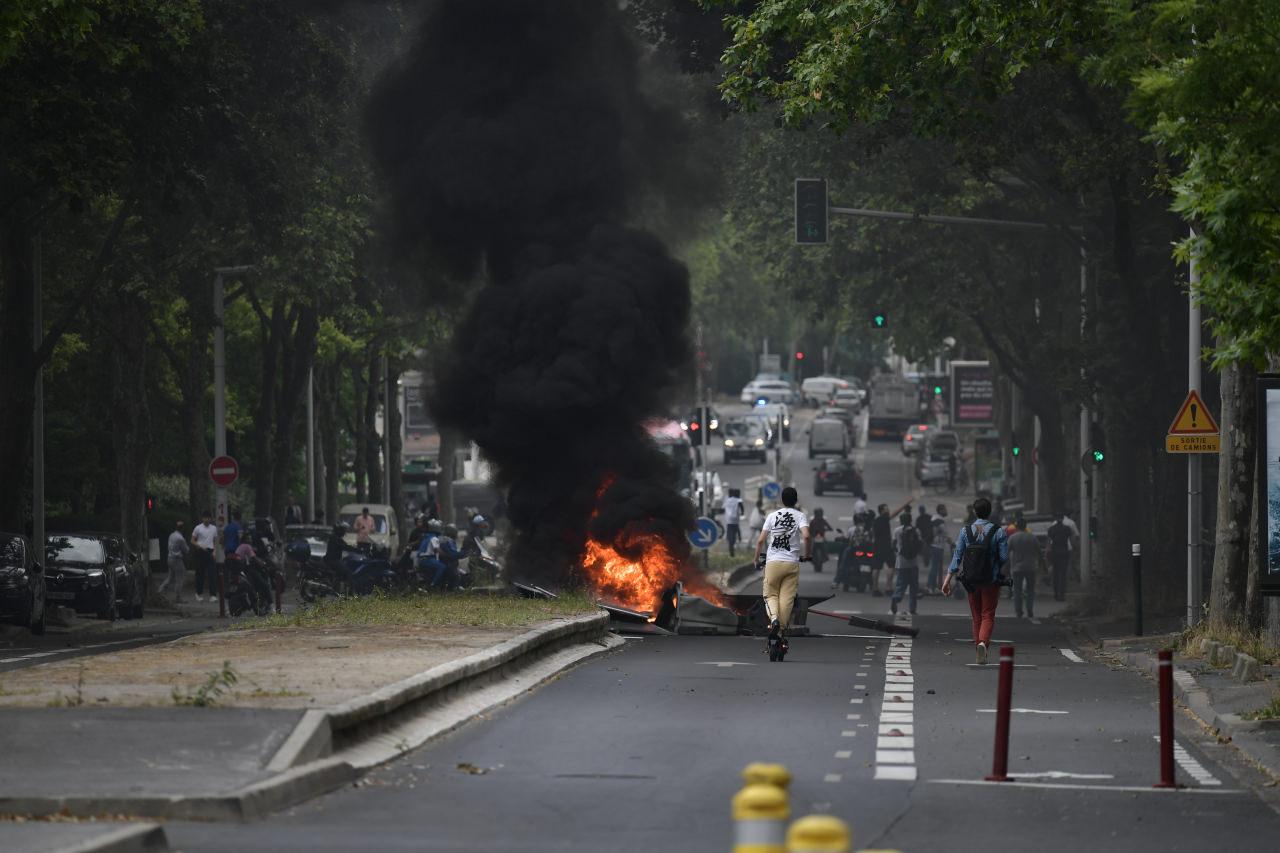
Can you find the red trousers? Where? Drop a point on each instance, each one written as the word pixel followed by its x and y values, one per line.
pixel 982 606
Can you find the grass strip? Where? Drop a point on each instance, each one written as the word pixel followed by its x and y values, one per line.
pixel 435 610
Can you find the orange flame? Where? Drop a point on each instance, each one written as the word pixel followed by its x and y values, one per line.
pixel 638 568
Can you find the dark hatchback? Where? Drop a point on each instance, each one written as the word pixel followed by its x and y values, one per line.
pixel 95 573
pixel 22 590
pixel 835 474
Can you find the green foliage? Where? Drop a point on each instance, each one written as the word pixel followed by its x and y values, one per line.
pixel 207 694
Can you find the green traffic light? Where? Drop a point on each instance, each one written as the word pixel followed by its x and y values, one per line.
pixel 1098 456
pixel 937 390
pixel 1017 450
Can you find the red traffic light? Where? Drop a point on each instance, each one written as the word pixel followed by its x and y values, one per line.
pixel 799 356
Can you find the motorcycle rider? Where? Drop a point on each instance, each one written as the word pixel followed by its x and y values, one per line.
pixel 819 527
pixel 427 559
pixel 447 556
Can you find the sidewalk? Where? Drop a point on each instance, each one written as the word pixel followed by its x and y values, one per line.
pixel 303 710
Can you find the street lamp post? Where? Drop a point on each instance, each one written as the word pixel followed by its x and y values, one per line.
pixel 220 392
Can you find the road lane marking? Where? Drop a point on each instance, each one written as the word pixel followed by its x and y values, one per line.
pixel 1061 774
pixel 1021 711
pixel 723 663
pixel 897 773
pixel 901 728
pixel 1067 786
pixel 855 701
pixel 890 742
pixel 853 716
pixel 74 649
pixel 832 777
pixel 848 733
pixel 1191 766
pixel 1071 656
pixel 895 748
pixel 859 687
pixel 844 753
pixel 895 756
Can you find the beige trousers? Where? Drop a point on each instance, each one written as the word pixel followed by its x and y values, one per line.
pixel 781 580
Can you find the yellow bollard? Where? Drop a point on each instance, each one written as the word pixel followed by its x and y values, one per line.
pixel 766 774
pixel 760 815
pixel 818 833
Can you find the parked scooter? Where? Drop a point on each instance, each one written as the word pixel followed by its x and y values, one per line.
pixel 249 586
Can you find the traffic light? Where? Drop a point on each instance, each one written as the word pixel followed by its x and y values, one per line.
pixel 1014 446
pixel 811 210
pixel 799 355
pixel 151 503
pixel 1098 443
pixel 879 320
pixel 937 390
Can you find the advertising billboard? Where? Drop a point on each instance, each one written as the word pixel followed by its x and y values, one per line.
pixel 1268 494
pixel 973 400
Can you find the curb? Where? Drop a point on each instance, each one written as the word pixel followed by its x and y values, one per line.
pixel 130 838
pixel 1196 699
pixel 306 766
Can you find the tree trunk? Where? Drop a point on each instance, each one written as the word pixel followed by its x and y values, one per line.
pixel 359 434
pixel 130 422
pixel 1227 598
pixel 17 376
pixel 394 473
pixel 194 384
pixel 327 385
pixel 444 485
pixel 296 359
pixel 372 446
pixel 272 337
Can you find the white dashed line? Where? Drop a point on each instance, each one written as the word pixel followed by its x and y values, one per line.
pixel 832 777
pixel 895 743
pixel 844 753
pixel 1191 766
pixel 895 773
pixel 1071 656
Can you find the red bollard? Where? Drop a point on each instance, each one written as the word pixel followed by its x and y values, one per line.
pixel 222 591
pixel 1168 779
pixel 1004 701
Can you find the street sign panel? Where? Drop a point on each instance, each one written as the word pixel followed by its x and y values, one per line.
pixel 1200 443
pixel 973 401
pixel 772 491
pixel 223 471
pixel 705 533
pixel 1193 418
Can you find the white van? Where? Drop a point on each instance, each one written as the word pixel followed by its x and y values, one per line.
pixel 828 437
pixel 819 390
pixel 386 529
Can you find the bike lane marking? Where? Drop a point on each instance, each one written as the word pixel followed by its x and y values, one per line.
pixel 895 741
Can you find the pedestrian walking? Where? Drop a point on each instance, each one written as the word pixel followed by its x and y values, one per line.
pixel 1025 559
pixel 937 549
pixel 907 548
pixel 733 519
pixel 882 540
pixel 204 536
pixel 982 550
pixel 924 526
pixel 364 526
pixel 176 554
pixel 231 533
pixel 293 512
pixel 786 532
pixel 1059 549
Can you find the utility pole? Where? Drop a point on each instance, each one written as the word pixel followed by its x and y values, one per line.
pixel 37 415
pixel 702 426
pixel 1194 583
pixel 387 403
pixel 1086 481
pixel 311 445
pixel 221 514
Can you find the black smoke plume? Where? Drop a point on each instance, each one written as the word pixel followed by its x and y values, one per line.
pixel 516 139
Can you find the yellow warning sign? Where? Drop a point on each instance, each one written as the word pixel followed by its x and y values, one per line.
pixel 1193 418
pixel 1198 443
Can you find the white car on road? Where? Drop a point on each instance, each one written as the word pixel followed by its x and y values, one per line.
pixel 768 390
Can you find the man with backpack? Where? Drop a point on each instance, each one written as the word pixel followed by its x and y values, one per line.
pixel 982 550
pixel 907 545
pixel 1059 549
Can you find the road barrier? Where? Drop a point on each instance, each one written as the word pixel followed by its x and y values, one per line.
pixel 1164 664
pixel 761 810
pixel 818 833
pixel 1004 701
pixel 766 774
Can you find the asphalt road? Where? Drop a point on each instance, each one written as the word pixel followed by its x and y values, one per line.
pixel 641 749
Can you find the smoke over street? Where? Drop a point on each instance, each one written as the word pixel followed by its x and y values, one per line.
pixel 516 139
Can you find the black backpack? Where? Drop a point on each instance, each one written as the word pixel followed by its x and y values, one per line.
pixel 977 558
pixel 909 544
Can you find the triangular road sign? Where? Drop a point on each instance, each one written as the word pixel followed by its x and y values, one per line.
pixel 1193 418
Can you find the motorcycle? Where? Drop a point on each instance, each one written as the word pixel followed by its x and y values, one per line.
pixel 854 569
pixel 250 586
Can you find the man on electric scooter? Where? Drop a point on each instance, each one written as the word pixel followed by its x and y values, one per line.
pixel 786 531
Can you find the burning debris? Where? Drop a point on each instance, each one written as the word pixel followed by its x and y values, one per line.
pixel 515 138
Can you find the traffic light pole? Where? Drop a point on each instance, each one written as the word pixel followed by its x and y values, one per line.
pixel 1194 483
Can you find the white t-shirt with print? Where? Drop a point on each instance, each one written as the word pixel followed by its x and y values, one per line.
pixel 784 529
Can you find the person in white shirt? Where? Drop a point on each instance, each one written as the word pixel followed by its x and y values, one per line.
pixel 786 531
pixel 177 550
pixel 733 519
pixel 205 537
pixel 859 505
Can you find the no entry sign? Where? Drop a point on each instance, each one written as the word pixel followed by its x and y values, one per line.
pixel 223 470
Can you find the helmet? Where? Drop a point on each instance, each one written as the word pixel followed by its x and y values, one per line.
pixel 434 525
pixel 451 531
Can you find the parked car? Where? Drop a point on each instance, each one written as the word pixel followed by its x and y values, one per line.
pixel 828 436
pixel 849 398
pixel 386 529
pixel 773 411
pixel 693 423
pixel 820 390
pixel 95 573
pixel 769 391
pixel 845 417
pixel 745 438
pixel 316 537
pixel 942 441
pixel 913 439
pixel 836 474
pixel 22 587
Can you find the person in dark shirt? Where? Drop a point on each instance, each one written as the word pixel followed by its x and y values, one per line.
pixel 882 534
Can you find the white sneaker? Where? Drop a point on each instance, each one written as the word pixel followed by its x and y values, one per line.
pixel 982 653
pixel 199 597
